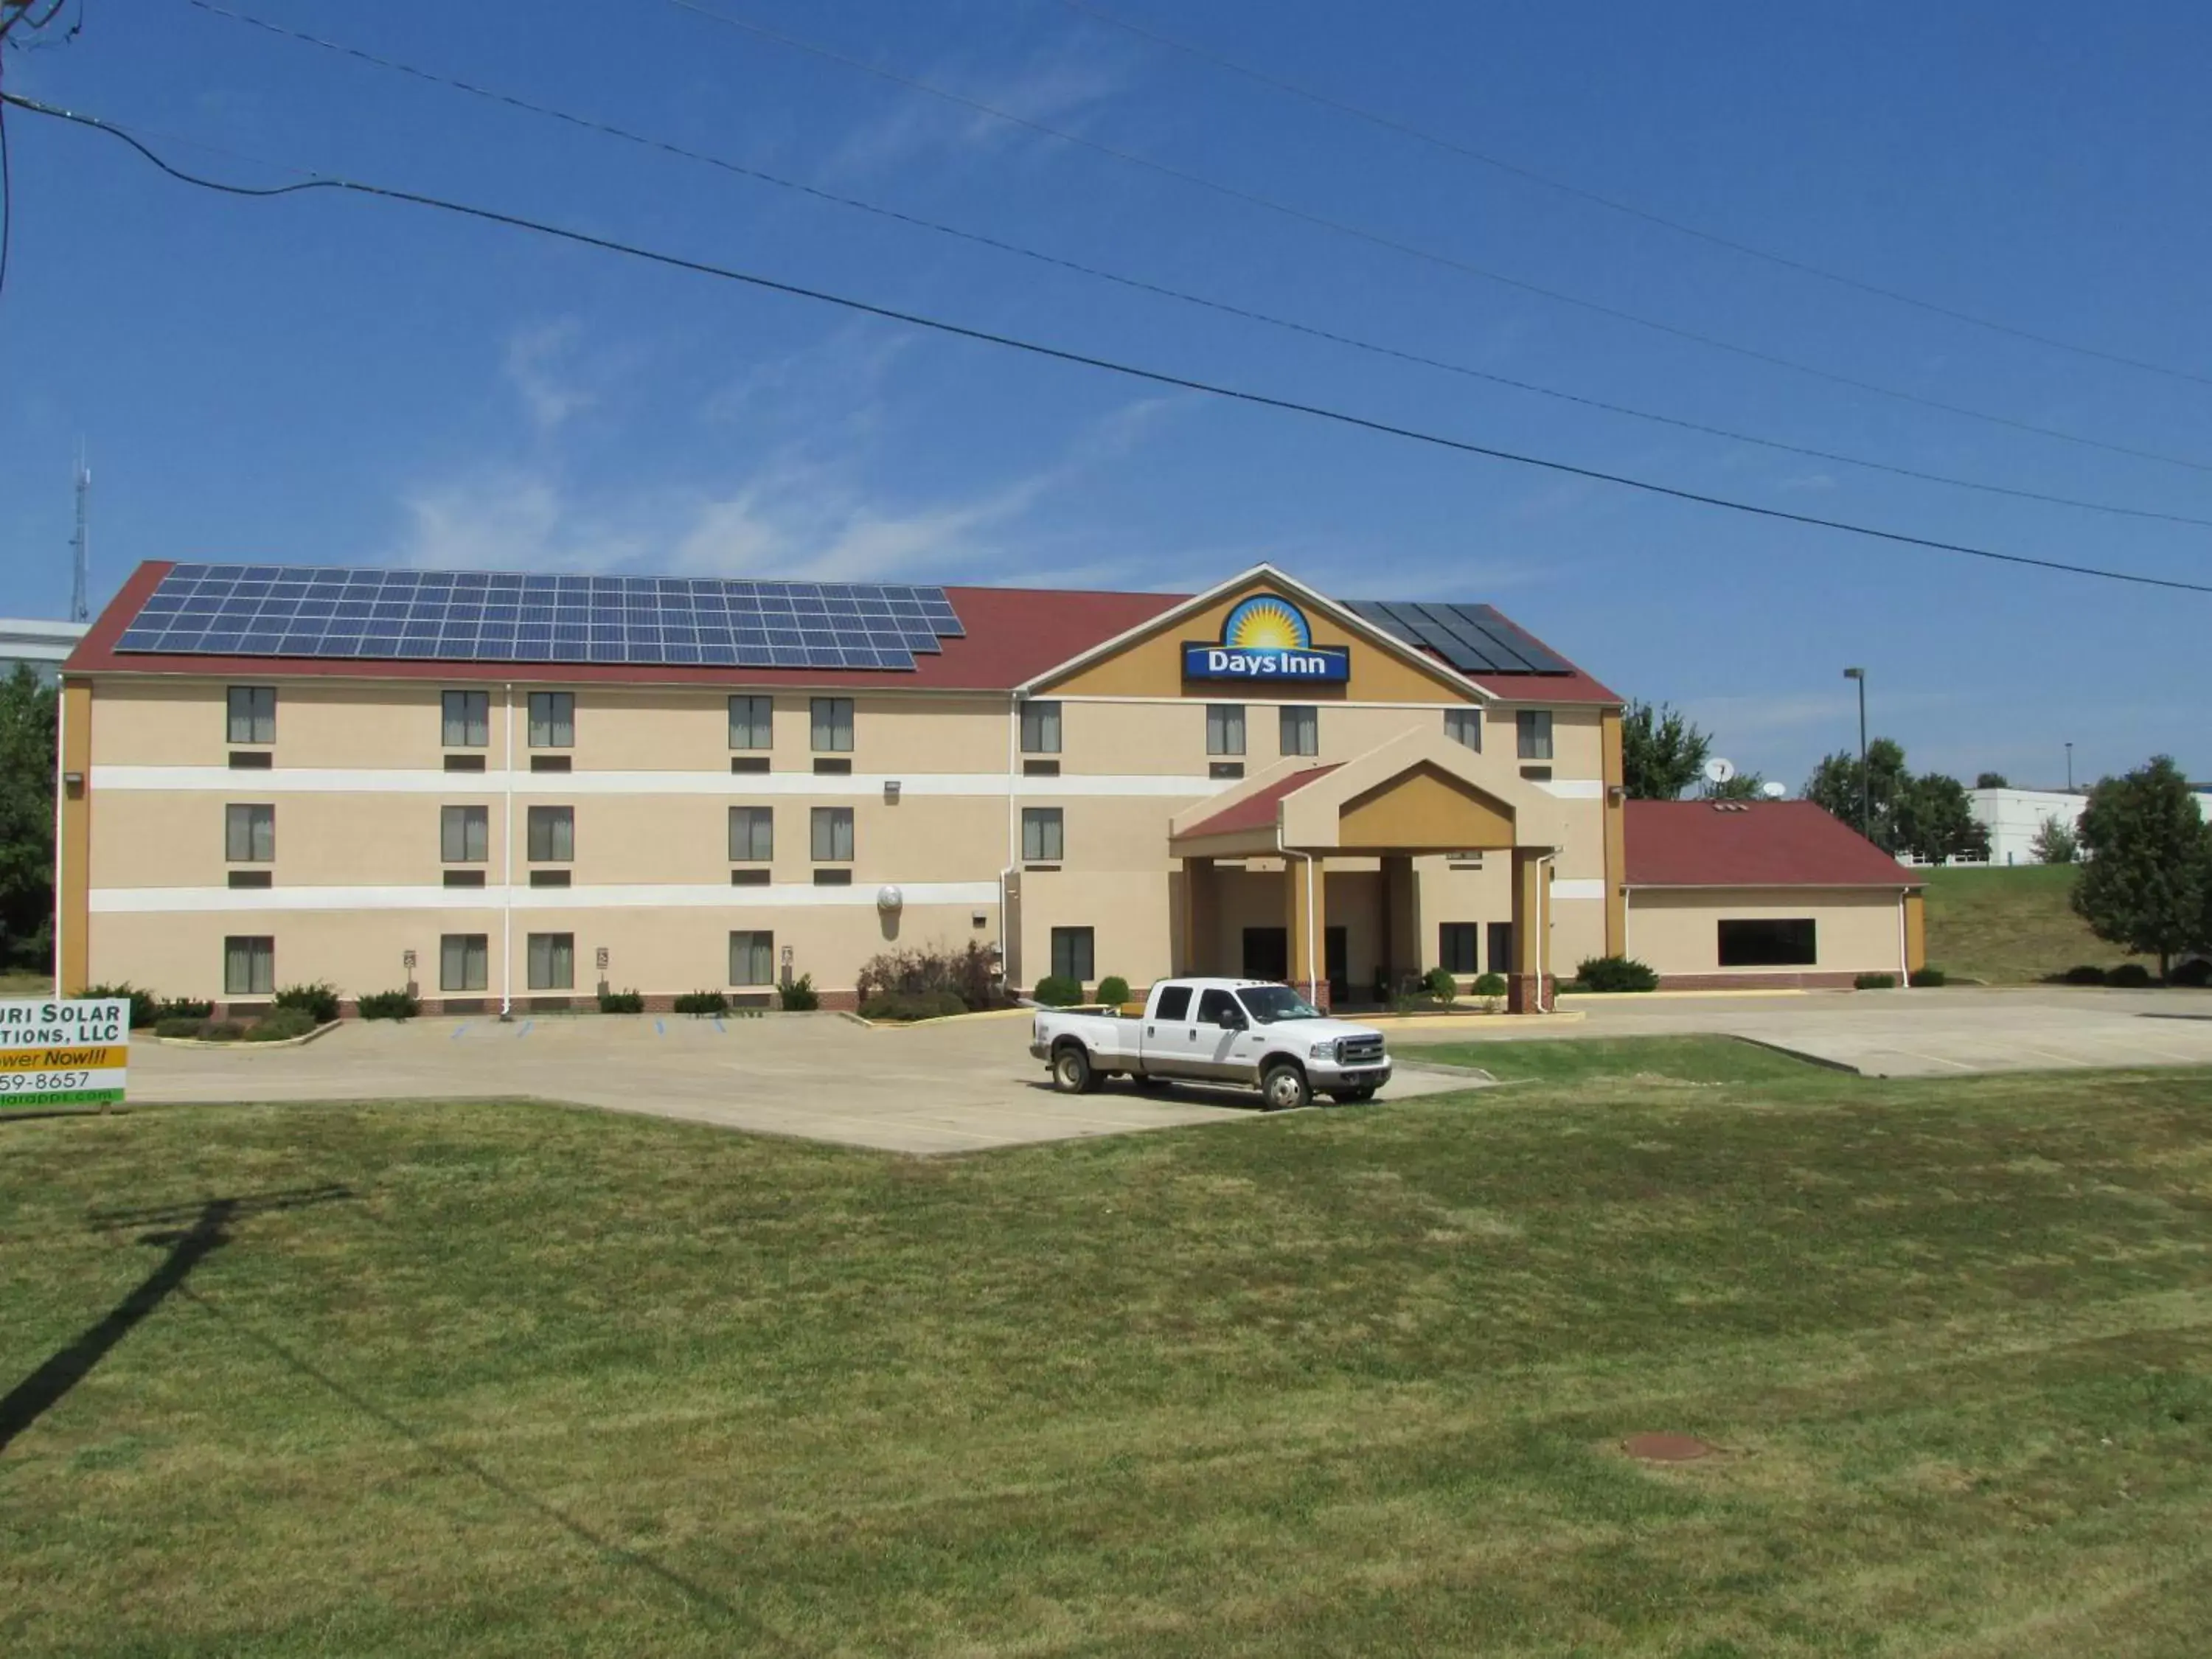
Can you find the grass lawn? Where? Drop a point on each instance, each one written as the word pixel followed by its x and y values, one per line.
pixel 2010 926
pixel 541 1381
pixel 13 983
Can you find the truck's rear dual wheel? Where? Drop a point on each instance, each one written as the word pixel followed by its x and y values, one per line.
pixel 1283 1088
pixel 1072 1071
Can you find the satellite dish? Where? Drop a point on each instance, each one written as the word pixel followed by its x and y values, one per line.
pixel 1773 789
pixel 1718 770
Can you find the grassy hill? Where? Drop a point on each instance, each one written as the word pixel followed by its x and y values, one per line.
pixel 2012 925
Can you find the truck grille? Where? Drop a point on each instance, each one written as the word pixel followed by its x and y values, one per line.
pixel 1359 1051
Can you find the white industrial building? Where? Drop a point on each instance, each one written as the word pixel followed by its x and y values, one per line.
pixel 2013 816
pixel 41 644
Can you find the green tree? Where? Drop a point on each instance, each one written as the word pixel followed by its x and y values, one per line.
pixel 1744 786
pixel 27 711
pixel 2146 879
pixel 1933 820
pixel 2055 842
pixel 1990 781
pixel 1835 785
pixel 1662 752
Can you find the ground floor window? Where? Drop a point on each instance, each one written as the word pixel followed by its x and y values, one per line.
pixel 1072 954
pixel 1768 942
pixel 552 962
pixel 752 958
pixel 464 961
pixel 249 967
pixel 1456 944
pixel 1501 947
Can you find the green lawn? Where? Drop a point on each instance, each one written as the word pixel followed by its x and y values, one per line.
pixel 2013 926
pixel 13 983
pixel 550 1382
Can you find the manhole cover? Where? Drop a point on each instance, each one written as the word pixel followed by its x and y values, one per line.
pixel 1667 1448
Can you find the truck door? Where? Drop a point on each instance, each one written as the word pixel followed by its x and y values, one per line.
pixel 1216 1045
pixel 1170 1045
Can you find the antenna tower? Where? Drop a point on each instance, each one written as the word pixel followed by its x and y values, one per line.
pixel 81 546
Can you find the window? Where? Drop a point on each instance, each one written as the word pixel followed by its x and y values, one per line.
pixel 468 719
pixel 1536 728
pixel 249 967
pixel 1071 954
pixel 1040 728
pixel 1174 1004
pixel 552 962
pixel 1042 835
pixel 1224 728
pixel 552 719
pixel 1301 729
pixel 1456 942
pixel 833 833
pixel 832 726
pixel 249 834
pixel 464 834
pixel 464 961
pixel 552 834
pixel 1768 943
pixel 752 835
pixel 1218 1008
pixel 1464 726
pixel 253 713
pixel 752 958
pixel 750 723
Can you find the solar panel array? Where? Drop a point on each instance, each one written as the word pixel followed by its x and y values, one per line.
pixel 294 611
pixel 1473 638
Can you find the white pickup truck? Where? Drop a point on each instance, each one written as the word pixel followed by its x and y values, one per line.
pixel 1216 1030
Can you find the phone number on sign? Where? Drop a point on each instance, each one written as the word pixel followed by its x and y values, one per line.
pixel 41 1083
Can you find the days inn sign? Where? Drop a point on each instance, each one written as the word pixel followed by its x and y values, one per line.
pixel 1265 638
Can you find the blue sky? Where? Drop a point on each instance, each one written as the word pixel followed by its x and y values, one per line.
pixel 330 379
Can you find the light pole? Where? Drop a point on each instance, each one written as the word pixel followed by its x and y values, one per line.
pixel 1866 781
pixel 2070 769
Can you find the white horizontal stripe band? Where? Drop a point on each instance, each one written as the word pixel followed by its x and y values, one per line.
pixel 304 779
pixel 155 901
pixel 1579 887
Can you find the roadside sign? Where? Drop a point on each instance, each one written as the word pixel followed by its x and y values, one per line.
pixel 55 1052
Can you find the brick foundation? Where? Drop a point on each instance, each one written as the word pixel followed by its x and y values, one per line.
pixel 1521 992
pixel 1775 981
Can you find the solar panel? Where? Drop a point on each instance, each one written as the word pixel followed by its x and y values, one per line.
pixel 279 610
pixel 1473 638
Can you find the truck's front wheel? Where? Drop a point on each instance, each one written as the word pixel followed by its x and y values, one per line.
pixel 1283 1088
pixel 1072 1072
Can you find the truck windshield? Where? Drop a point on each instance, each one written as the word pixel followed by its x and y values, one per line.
pixel 1271 1003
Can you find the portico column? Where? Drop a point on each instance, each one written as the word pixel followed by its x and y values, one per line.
pixel 1531 915
pixel 1402 937
pixel 1199 912
pixel 1308 924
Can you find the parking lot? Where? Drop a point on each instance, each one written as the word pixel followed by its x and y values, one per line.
pixel 964 1086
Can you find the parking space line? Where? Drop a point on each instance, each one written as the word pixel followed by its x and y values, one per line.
pixel 462 1027
pixel 525 1031
pixel 660 1029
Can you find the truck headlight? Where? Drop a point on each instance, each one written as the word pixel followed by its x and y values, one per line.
pixel 1323 1051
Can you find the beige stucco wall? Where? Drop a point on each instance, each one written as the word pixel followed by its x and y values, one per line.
pixel 1676 932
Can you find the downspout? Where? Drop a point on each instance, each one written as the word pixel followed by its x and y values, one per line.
pixel 1904 950
pixel 507 861
pixel 1544 934
pixel 61 836
pixel 1009 953
pixel 1313 971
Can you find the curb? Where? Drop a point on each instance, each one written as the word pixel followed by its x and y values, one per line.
pixel 240 1043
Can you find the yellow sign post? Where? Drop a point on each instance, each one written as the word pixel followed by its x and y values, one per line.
pixel 55 1052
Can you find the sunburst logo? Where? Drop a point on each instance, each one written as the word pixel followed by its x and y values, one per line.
pixel 1266 625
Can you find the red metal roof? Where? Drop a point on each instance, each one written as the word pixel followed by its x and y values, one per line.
pixel 1257 810
pixel 1777 843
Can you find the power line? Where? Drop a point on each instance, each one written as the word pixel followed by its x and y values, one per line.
pixel 1414 251
pixel 1142 285
pixel 7 200
pixel 1803 267
pixel 1084 360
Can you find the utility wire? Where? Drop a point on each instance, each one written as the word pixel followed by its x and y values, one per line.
pixel 1160 291
pixel 7 199
pixel 1084 360
pixel 1414 251
pixel 1613 203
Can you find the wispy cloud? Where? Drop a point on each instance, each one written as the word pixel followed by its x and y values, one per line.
pixel 507 518
pixel 1060 89
pixel 533 365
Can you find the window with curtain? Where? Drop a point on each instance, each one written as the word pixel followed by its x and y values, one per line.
pixel 833 833
pixel 467 720
pixel 249 967
pixel 1301 729
pixel 552 719
pixel 464 961
pixel 1040 728
pixel 552 834
pixel 1464 726
pixel 832 726
pixel 1535 733
pixel 752 723
pixel 752 833
pixel 253 713
pixel 752 958
pixel 1224 728
pixel 1042 837
pixel 464 834
pixel 250 835
pixel 552 962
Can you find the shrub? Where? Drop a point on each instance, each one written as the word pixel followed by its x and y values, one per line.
pixel 1490 988
pixel 923 1005
pixel 185 1008
pixel 2196 972
pixel 145 1007
pixel 390 1004
pixel 1874 982
pixel 180 1026
pixel 318 1001
pixel 1616 974
pixel 221 1031
pixel 1058 991
pixel 280 1024
pixel 701 1003
pixel 1439 983
pixel 2086 974
pixel 1112 990
pixel 2129 976
pixel 928 970
pixel 621 1002
pixel 799 997
pixel 1930 979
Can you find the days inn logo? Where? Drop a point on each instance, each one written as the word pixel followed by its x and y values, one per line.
pixel 1265 638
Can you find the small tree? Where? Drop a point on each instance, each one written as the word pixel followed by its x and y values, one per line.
pixel 1662 752
pixel 2146 879
pixel 1934 821
pixel 28 713
pixel 2055 842
pixel 1836 785
pixel 1990 781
